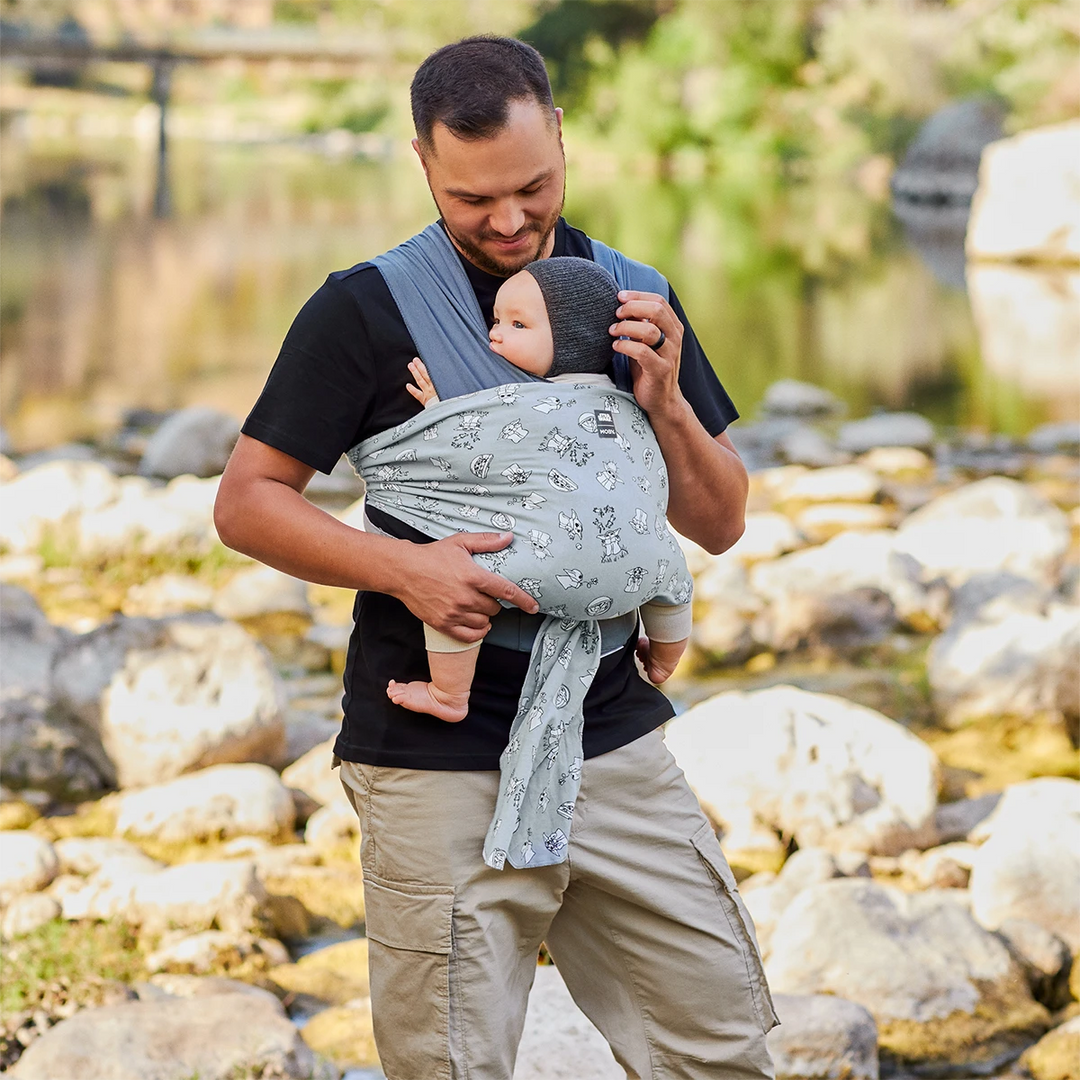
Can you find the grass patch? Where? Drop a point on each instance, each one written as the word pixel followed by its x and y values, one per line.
pixel 66 961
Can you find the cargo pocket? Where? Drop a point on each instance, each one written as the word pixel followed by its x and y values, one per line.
pixel 742 926
pixel 410 939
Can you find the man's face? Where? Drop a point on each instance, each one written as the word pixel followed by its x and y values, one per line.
pixel 522 330
pixel 500 197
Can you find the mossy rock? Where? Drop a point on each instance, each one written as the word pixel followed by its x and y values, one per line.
pixel 97 818
pixel 333 892
pixel 1056 1056
pixel 17 815
pixel 343 1034
pixel 1074 978
pixel 983 1040
pixel 336 975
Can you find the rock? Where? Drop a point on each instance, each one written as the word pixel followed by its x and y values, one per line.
pixel 823 1038
pixel 991 525
pixel 313 775
pixel 841 483
pixel 330 892
pixel 212 949
pixel 168 594
pixel 805 446
pixel 1020 665
pixel 847 563
pixel 725 608
pixel 826 520
pixel 49 496
pixel 994 595
pixel 846 621
pixel 17 814
pixel 1027 206
pixel 198 896
pixel 1055 1055
pixel 172 695
pixel 282 858
pixel 262 590
pixel 334 828
pixel 26 912
pixel 109 892
pixel 955 820
pixel 812 766
pixel 944 992
pixel 344 1034
pixel 27 863
pixel 559 1042
pixel 767 535
pixel 1053 438
pixel 87 854
pixel 1045 958
pixel 1029 867
pixel 335 975
pixel 945 867
pixel 305 729
pixel 886 429
pixel 195 441
pixel 215 803
pixel 215 1037
pixel 789 397
pixel 897 462
pixel 941 164
pixel 1027 320
pixel 174 984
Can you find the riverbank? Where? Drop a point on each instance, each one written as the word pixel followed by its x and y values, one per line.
pixel 879 713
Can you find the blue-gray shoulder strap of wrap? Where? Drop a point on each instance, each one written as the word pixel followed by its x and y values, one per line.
pixel 437 303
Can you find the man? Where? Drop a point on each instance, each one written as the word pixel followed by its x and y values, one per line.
pixel 643 919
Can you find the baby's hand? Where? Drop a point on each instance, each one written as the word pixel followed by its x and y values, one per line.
pixel 424 390
pixel 660 658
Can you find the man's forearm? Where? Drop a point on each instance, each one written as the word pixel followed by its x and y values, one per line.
pixel 707 481
pixel 279 527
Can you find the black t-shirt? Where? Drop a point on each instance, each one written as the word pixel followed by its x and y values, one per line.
pixel 340 378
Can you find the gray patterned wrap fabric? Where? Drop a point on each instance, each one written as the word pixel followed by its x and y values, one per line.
pixel 575 472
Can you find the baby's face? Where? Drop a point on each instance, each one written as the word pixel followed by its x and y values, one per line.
pixel 522 332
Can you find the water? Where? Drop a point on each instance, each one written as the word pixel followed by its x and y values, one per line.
pixel 103 308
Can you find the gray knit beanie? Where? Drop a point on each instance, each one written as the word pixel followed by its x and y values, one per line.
pixel 581 299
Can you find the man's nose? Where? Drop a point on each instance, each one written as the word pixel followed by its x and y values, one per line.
pixel 507 219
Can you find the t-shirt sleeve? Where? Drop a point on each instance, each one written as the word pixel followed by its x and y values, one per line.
pixel 322 385
pixel 699 383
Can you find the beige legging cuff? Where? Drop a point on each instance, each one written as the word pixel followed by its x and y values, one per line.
pixel 437 641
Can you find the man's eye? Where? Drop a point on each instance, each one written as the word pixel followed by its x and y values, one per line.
pixel 518 325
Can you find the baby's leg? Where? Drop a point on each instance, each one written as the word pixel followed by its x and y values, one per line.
pixel 453 665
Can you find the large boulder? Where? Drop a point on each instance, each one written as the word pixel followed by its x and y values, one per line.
pixel 50 496
pixel 1057 1054
pixel 1027 205
pixel 1029 865
pixel 724 608
pixel 262 590
pixel 226 895
pixel 822 1037
pixel 195 441
pixel 886 429
pixel 847 564
pixel 811 766
pixel 1023 664
pixel 213 1037
pixel 171 695
pixel 789 397
pixel 992 524
pixel 945 993
pixel 220 802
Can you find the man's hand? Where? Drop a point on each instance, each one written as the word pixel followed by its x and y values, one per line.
pixel 446 588
pixel 644 317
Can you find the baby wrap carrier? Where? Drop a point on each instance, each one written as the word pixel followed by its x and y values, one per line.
pixel 574 471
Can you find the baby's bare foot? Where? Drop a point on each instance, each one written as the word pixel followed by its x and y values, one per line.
pixel 426 697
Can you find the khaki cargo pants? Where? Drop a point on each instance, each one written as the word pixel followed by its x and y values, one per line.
pixel 643 921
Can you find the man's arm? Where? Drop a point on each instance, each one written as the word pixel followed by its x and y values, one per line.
pixel 261 511
pixel 707 480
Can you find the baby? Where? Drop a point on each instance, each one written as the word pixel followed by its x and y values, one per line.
pixel 551 320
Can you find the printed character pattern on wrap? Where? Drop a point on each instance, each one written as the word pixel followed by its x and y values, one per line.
pixel 575 472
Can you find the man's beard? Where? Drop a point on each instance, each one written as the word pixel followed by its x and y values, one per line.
pixel 483 261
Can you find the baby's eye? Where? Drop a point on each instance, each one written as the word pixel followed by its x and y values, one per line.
pixel 495 323
pixel 518 325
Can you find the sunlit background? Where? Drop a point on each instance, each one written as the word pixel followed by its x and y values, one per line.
pixel 746 149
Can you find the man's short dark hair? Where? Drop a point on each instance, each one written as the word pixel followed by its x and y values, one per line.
pixel 468 86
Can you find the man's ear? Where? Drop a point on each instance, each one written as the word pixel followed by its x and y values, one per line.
pixel 420 155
